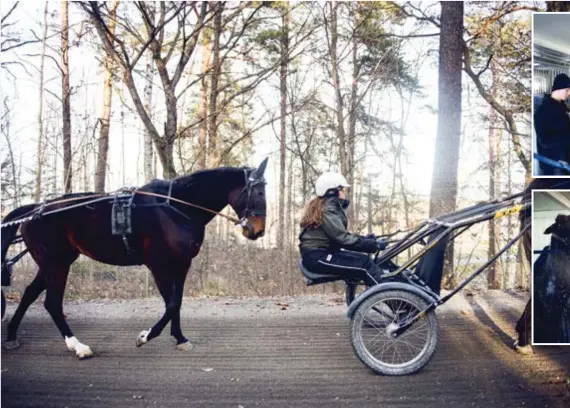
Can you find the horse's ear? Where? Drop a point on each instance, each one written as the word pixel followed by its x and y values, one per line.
pixel 261 169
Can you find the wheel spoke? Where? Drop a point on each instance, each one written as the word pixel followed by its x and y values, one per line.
pixel 377 324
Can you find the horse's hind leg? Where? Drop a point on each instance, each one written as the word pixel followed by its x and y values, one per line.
pixel 31 293
pixel 56 281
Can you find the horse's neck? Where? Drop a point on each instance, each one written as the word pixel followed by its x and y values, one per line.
pixel 209 190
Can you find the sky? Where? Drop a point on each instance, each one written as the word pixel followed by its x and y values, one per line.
pixel 421 128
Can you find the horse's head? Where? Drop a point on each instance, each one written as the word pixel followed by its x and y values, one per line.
pixel 560 231
pixel 249 202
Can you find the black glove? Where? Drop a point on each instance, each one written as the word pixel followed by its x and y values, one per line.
pixel 371 236
pixel 381 244
pixel 367 245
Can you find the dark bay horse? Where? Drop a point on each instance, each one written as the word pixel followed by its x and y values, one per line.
pixel 165 235
pixel 523 327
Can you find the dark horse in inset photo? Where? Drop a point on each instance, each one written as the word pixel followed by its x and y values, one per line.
pixel 542 276
pixel 552 286
pixel 163 234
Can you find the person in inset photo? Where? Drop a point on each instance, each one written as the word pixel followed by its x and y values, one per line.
pixel 551 271
pixel 552 126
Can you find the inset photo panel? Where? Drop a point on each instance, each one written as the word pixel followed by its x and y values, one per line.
pixel 551 267
pixel 550 94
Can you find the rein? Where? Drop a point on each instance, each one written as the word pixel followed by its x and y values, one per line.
pixel 148 193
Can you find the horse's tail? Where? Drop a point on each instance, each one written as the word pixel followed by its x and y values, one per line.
pixel 8 233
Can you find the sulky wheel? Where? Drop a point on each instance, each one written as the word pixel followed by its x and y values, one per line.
pixel 373 325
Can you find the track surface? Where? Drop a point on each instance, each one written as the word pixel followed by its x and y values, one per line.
pixel 251 353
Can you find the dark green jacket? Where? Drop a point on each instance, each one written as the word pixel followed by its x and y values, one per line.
pixel 332 234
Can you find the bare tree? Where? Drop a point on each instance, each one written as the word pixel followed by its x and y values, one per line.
pixel 185 40
pixel 284 44
pixel 203 109
pixel 213 154
pixel 40 150
pixel 148 153
pixel 444 180
pixel 66 98
pixel 149 171
pixel 101 170
pixel 332 39
pixel 494 271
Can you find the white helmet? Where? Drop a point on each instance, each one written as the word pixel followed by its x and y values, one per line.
pixel 329 180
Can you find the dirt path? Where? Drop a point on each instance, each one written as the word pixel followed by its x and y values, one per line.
pixel 249 353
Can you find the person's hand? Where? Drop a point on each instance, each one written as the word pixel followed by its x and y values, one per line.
pixel 381 244
pixel 370 236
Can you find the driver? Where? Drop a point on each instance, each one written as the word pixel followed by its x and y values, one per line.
pixel 324 235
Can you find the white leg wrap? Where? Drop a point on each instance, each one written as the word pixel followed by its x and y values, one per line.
pixel 143 337
pixel 81 350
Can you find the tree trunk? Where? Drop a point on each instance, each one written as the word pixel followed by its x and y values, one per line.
pixel 352 128
pixel 55 157
pixel 493 278
pixel 288 215
pixel 444 180
pixel 558 6
pixel 40 150
pixel 284 40
pixel 103 149
pixel 369 207
pixel 203 109
pixel 149 171
pixel 6 132
pixel 336 84
pixel 66 95
pixel 214 91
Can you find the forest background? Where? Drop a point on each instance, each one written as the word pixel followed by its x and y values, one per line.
pixel 424 106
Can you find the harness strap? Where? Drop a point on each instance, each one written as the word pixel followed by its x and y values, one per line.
pixel 148 193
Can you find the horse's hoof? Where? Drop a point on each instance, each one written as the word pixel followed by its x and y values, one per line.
pixel 83 352
pixel 524 350
pixel 11 345
pixel 142 338
pixel 185 346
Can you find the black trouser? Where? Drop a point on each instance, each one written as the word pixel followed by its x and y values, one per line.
pixel 345 264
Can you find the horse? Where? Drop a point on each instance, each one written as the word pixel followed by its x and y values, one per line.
pixel 552 285
pixel 524 324
pixel 165 232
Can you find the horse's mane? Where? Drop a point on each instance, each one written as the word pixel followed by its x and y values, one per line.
pixel 209 175
pixel 70 195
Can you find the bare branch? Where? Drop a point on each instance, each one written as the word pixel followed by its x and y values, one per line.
pixel 5 17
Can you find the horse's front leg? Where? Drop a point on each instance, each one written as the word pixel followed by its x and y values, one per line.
pixel 182 342
pixel 523 329
pixel 170 283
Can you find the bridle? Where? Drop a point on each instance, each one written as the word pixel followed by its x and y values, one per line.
pixel 247 190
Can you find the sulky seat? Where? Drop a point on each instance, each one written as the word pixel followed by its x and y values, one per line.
pixel 316 278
